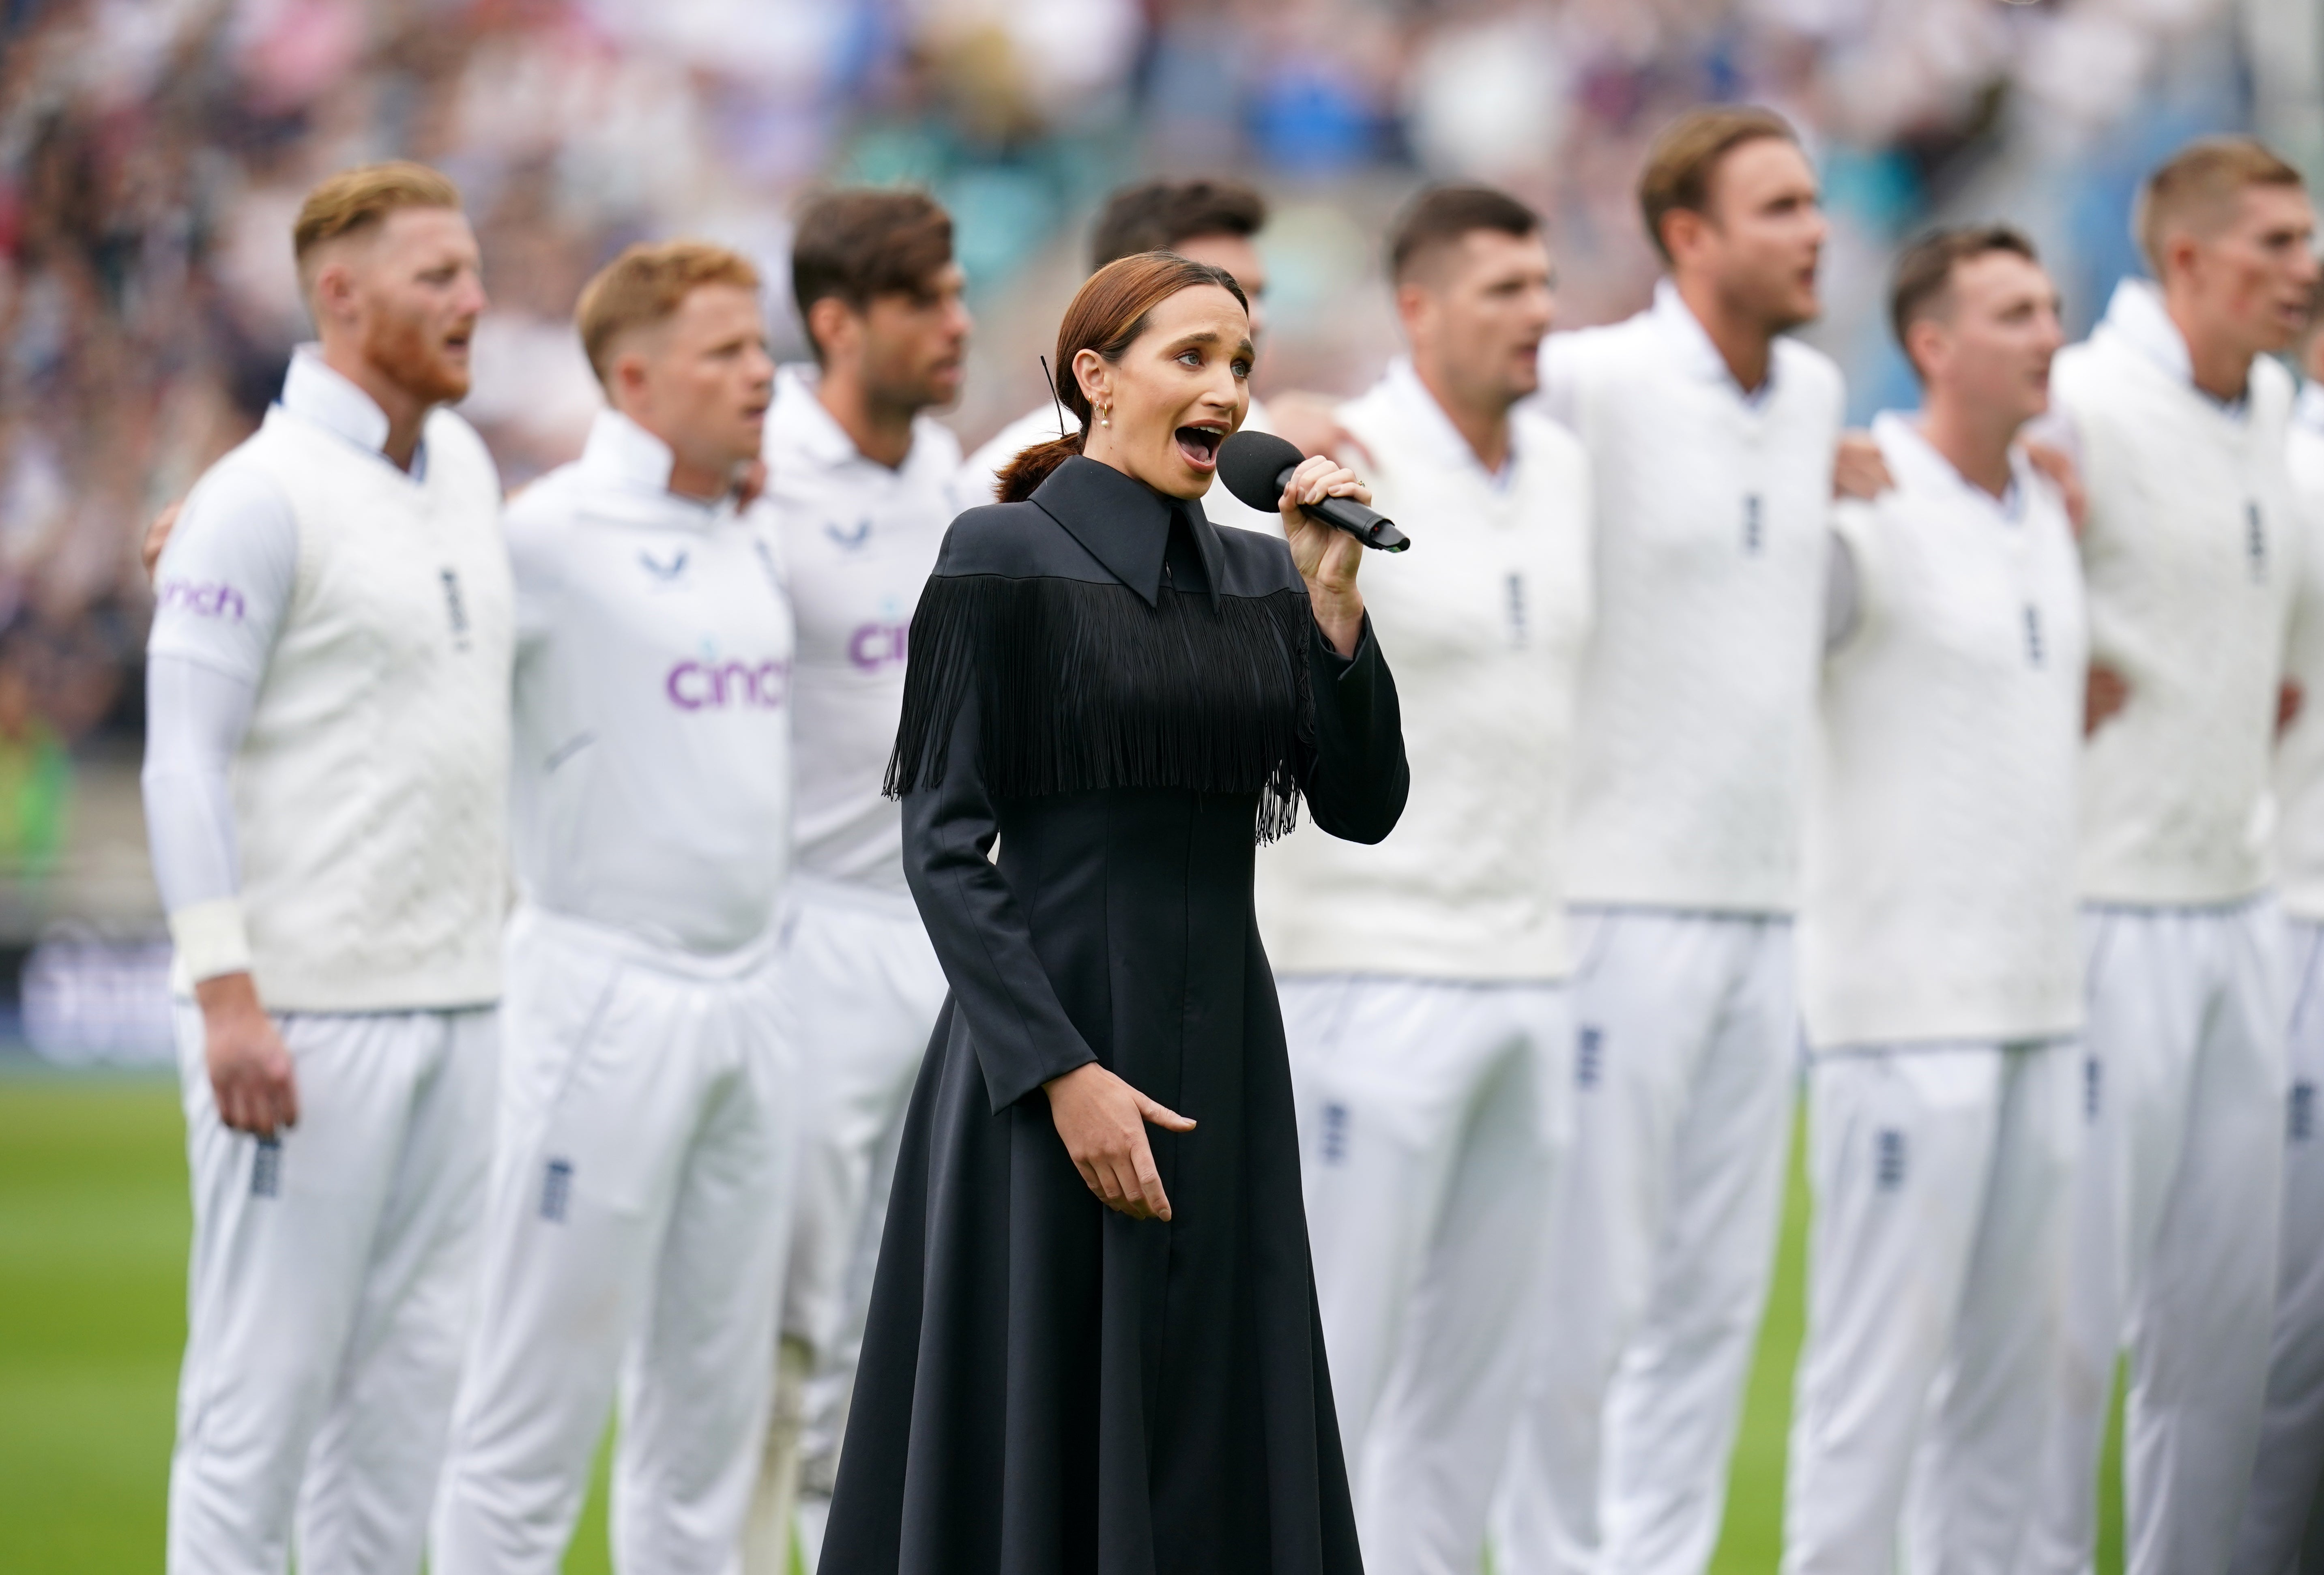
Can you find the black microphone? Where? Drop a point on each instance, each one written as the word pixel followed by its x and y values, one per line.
pixel 1258 466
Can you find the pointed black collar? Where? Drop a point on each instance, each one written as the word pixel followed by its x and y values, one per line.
pixel 1125 524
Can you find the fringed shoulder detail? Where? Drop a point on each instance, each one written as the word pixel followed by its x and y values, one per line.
pixel 1080 685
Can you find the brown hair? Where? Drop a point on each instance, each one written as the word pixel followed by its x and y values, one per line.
pixel 2197 185
pixel 860 243
pixel 644 285
pixel 356 199
pixel 1155 215
pixel 1109 314
pixel 1686 156
pixel 1925 270
pixel 1440 216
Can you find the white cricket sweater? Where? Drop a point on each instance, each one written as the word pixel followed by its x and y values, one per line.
pixel 1483 621
pixel 2300 754
pixel 858 542
pixel 652 781
pixel 369 791
pixel 2190 555
pixel 1939 893
pixel 1697 700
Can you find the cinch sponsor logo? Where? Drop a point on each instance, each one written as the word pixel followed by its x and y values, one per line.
pixel 214 599
pixel 874 646
pixel 713 685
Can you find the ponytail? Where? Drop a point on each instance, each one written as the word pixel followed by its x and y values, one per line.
pixel 1107 316
pixel 1030 468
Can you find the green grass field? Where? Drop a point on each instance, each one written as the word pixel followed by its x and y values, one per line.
pixel 93 1224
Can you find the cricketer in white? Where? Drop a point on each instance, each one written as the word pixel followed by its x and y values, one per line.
pixel 2191 551
pixel 644 1152
pixel 866 987
pixel 2284 1521
pixel 1423 977
pixel 861 518
pixel 1712 530
pixel 326 777
pixel 1940 976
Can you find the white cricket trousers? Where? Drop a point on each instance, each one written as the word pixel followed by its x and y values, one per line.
pixel 2283 1520
pixel 1431 1116
pixel 1662 1241
pixel 1943 1179
pixel 634 1234
pixel 329 1296
pixel 864 989
pixel 2176 1213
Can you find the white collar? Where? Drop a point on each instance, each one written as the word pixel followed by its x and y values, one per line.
pixel 1919 467
pixel 1425 420
pixel 2137 314
pixel 620 453
pixel 2308 411
pixel 797 418
pixel 1692 342
pixel 313 391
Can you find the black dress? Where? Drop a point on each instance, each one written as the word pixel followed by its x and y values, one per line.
pixel 1129 699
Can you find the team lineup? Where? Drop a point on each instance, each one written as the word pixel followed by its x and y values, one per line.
pixel 876 1093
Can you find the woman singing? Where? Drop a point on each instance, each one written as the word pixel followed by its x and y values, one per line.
pixel 1094 1351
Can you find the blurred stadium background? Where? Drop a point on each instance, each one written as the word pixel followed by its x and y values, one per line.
pixel 152 152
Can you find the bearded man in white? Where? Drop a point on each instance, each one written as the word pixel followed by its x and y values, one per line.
pixel 2191 551
pixel 2283 1523
pixel 640 1176
pixel 1423 980
pixel 1711 439
pixel 1211 221
pixel 862 481
pixel 1940 977
pixel 325 778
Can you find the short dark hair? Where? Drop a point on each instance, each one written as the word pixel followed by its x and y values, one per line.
pixel 1687 154
pixel 860 242
pixel 1924 281
pixel 1440 216
pixel 1155 215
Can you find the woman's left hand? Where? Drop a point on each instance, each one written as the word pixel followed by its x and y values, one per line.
pixel 1328 559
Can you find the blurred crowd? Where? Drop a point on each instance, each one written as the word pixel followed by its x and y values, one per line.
pixel 152 152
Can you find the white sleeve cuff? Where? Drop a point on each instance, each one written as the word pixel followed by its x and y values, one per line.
pixel 210 939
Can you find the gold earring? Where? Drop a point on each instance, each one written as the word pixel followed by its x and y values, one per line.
pixel 1105 415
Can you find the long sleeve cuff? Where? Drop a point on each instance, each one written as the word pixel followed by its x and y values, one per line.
pixel 210 939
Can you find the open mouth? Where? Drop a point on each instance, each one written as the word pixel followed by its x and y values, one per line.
pixel 1199 446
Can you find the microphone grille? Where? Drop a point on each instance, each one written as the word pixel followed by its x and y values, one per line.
pixel 1251 463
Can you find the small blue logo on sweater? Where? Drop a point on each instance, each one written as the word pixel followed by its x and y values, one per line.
pixel 266 1169
pixel 1589 1056
pixel 556 1190
pixel 1336 1133
pixel 2302 1122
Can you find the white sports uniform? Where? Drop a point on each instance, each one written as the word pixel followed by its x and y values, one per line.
pixel 2190 552
pixel 2286 1508
pixel 1690 756
pixel 1941 984
pixel 982 474
pixel 644 1141
pixel 1423 979
pixel 859 540
pixel 325 775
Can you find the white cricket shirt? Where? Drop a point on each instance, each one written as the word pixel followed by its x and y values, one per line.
pixel 1940 902
pixel 1713 509
pixel 859 540
pixel 653 700
pixel 1483 620
pixel 2190 552
pixel 2299 753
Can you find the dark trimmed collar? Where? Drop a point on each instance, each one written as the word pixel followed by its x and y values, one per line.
pixel 1125 524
